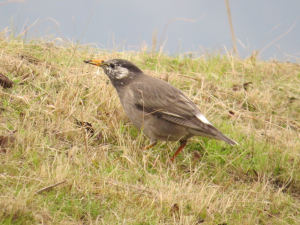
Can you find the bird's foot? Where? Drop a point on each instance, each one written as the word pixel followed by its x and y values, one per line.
pixel 150 145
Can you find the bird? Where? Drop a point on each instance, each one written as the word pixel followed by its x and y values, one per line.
pixel 160 110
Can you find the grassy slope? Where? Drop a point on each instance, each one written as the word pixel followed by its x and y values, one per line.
pixel 109 179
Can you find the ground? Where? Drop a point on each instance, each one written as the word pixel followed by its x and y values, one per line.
pixel 107 178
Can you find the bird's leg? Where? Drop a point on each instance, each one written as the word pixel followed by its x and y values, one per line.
pixel 182 145
pixel 152 143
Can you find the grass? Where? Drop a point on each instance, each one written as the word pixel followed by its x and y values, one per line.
pixel 109 179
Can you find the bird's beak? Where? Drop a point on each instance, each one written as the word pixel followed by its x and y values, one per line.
pixel 100 63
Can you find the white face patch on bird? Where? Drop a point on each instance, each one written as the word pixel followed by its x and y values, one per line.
pixel 116 71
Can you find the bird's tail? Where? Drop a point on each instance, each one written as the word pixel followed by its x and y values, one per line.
pixel 212 132
pixel 219 135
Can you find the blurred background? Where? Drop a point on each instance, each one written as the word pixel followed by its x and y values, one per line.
pixel 175 27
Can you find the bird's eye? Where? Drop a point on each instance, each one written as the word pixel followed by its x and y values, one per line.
pixel 112 65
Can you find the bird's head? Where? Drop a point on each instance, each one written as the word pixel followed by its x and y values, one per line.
pixel 117 69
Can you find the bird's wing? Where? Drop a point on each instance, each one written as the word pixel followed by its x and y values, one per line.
pixel 162 100
pixel 167 102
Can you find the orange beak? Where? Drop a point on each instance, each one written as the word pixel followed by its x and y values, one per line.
pixel 100 63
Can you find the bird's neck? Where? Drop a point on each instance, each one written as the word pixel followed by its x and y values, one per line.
pixel 119 83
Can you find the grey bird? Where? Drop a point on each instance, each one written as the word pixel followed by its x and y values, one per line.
pixel 156 107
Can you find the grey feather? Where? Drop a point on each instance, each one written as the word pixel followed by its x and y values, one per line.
pixel 162 111
pixel 167 102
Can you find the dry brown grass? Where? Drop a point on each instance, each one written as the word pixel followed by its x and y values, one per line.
pixel 109 179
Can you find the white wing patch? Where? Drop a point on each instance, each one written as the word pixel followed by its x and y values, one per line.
pixel 172 114
pixel 203 119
